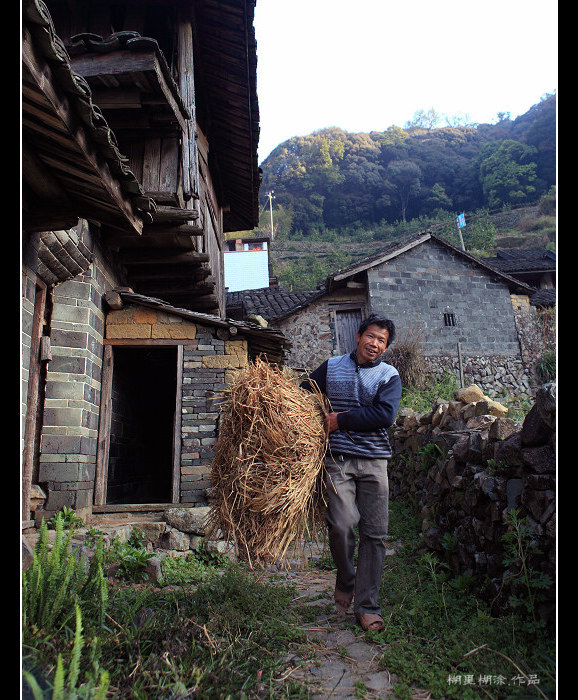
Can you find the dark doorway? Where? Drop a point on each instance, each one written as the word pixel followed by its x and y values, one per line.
pixel 140 463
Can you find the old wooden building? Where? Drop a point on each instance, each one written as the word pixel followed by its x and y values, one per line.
pixel 139 151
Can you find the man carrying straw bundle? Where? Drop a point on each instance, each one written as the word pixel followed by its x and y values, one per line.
pixel 364 394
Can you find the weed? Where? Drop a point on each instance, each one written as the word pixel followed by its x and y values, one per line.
pixel 130 555
pixel 67 516
pixel 57 577
pixel 520 545
pixel 433 623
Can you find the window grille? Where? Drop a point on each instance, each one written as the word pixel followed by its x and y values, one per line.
pixel 449 319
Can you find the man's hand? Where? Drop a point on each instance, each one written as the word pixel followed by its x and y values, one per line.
pixel 331 422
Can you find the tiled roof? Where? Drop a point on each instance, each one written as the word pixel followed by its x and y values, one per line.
pixel 404 243
pixel 271 302
pixel 523 260
pixel 37 20
pixel 544 297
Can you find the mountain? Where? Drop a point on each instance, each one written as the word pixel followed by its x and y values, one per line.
pixel 333 180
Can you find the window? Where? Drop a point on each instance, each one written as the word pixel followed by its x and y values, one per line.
pixel 449 319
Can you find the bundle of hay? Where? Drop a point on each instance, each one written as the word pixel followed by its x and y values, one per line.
pixel 268 463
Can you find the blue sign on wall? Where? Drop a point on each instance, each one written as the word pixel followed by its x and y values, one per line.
pixel 461 220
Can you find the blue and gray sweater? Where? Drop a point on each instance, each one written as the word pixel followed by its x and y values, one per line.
pixel 366 397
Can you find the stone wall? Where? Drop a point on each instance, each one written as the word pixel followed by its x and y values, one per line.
pixel 419 287
pixel 465 465
pixel 498 376
pixel 312 330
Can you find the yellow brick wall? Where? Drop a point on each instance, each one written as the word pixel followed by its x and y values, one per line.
pixel 136 322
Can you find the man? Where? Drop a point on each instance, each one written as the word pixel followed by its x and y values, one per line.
pixel 364 394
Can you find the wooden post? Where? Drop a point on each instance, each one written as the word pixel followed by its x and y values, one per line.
pixel 32 398
pixel 460 365
pixel 102 453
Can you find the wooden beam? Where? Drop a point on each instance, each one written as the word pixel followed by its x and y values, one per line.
pixel 165 214
pixel 40 75
pixel 144 257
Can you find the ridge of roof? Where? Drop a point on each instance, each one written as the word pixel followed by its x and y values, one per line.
pixel 410 241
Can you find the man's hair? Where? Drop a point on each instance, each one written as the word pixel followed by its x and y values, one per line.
pixel 380 321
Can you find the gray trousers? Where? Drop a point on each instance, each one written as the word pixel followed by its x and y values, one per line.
pixel 357 492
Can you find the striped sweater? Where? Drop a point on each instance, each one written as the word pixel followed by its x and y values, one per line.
pixel 367 399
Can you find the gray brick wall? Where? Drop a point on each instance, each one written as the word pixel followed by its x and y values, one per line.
pixel 71 410
pixel 202 389
pixel 418 287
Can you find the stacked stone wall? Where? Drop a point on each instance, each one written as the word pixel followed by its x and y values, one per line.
pixel 466 465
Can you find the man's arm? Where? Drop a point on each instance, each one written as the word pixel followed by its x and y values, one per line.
pixel 319 376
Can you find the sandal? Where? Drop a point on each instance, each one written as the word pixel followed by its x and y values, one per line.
pixel 371 622
pixel 342 600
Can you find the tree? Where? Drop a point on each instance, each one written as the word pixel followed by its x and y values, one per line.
pixel 403 181
pixel 507 172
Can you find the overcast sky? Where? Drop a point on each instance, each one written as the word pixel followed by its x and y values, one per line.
pixel 369 64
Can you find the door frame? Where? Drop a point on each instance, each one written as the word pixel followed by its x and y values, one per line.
pixel 103 448
pixel 346 306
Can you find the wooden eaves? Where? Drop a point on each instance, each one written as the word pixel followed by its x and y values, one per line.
pixel 72 167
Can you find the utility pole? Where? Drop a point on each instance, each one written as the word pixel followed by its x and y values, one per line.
pixel 271 198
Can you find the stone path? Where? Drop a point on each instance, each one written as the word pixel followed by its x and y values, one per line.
pixel 346 661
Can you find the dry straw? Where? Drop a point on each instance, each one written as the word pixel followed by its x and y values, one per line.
pixel 266 474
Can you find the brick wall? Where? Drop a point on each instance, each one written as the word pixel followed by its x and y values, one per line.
pixel 72 398
pixel 207 366
pixel 420 286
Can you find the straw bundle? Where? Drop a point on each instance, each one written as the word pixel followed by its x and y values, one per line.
pixel 268 462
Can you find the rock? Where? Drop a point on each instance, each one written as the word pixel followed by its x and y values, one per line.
pixel 502 428
pixel 151 531
pixel 546 403
pixel 174 539
pixel 469 394
pixel 191 520
pixel 27 554
pixel 37 497
pixel 153 569
pixel 496 408
pixel 535 431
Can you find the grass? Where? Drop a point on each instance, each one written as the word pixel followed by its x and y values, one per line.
pixel 440 636
pixel 217 630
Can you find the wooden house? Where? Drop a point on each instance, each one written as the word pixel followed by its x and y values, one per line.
pixel 139 151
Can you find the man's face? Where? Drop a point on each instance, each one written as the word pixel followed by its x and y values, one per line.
pixel 371 344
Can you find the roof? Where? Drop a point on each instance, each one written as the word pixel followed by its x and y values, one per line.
pixel 268 341
pixel 227 75
pixel 275 303
pixel 272 303
pixel 405 243
pixel 543 298
pixel 523 260
pixel 72 165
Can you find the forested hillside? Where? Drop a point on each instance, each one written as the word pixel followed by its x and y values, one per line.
pixel 344 193
pixel 333 179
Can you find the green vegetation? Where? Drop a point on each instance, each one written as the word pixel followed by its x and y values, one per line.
pixel 336 180
pixel 442 638
pixel 216 630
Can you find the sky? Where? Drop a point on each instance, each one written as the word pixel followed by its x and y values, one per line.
pixel 365 65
